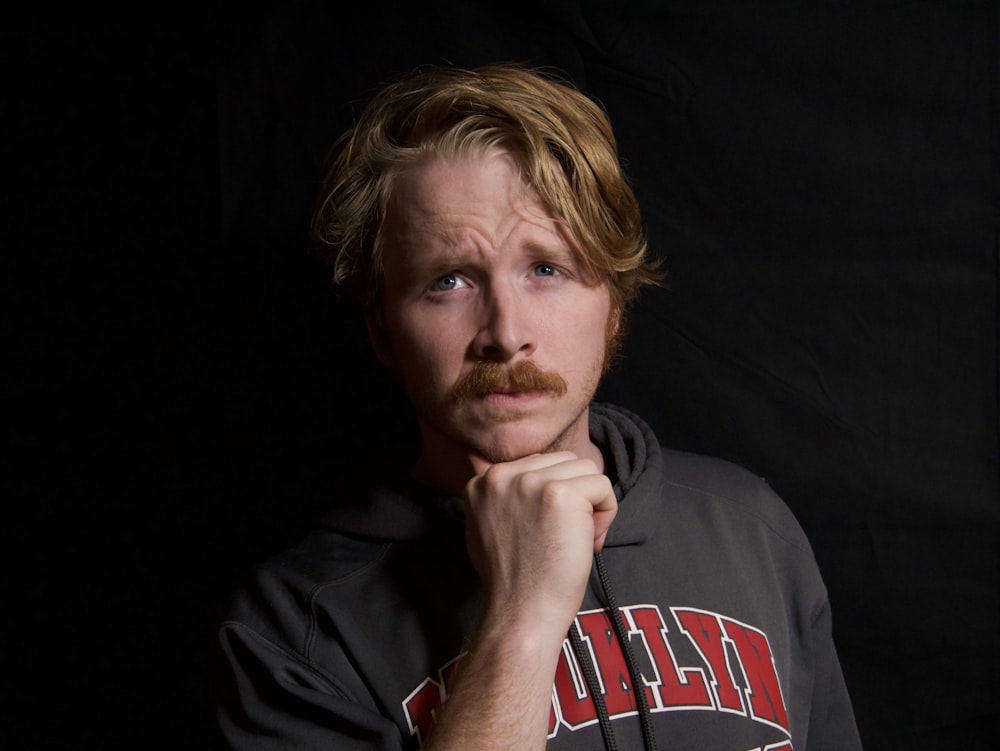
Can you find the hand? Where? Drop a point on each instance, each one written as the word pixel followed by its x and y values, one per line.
pixel 532 526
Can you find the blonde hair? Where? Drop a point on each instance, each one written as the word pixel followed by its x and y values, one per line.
pixel 560 139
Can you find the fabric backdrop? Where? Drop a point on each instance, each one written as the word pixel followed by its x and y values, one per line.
pixel 819 179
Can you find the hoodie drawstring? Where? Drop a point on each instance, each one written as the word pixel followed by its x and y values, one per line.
pixel 590 673
pixel 594 686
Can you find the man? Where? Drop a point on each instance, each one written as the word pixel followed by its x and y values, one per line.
pixel 538 573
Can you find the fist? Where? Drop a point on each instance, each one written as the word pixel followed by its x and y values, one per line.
pixel 532 526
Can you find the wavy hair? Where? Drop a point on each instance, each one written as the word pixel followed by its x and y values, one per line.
pixel 560 139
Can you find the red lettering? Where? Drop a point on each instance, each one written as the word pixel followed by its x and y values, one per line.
pixel 576 707
pixel 612 668
pixel 678 687
pixel 722 643
pixel 421 707
pixel 766 701
pixel 425 702
pixel 705 632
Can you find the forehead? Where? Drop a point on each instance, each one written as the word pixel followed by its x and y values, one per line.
pixel 472 201
pixel 479 183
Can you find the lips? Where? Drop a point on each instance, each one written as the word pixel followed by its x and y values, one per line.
pixel 513 394
pixel 510 390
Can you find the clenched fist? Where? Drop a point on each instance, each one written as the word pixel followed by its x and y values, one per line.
pixel 532 527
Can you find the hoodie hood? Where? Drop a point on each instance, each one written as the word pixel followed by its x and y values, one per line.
pixel 400 509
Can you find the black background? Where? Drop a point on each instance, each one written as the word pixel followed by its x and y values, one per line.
pixel 182 386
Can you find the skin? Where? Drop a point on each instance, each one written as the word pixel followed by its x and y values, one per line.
pixel 477 271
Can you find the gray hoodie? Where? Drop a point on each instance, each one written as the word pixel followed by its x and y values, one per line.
pixel 347 640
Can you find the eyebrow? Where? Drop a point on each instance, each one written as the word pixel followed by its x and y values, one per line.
pixel 457 259
pixel 436 254
pixel 550 251
pixel 439 266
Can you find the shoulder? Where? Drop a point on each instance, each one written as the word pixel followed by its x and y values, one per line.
pixel 277 599
pixel 706 485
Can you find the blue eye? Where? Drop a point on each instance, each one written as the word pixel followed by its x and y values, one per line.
pixel 447 283
pixel 543 269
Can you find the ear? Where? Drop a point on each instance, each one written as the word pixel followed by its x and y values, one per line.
pixel 379 338
pixel 614 321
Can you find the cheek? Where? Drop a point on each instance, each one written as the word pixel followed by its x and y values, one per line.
pixel 581 340
pixel 428 353
pixel 597 324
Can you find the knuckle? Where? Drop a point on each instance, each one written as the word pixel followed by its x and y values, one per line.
pixel 553 493
pixel 524 484
pixel 493 476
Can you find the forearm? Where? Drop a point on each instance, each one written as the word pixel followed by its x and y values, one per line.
pixel 501 693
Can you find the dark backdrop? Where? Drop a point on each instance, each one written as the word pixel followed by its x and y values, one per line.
pixel 182 386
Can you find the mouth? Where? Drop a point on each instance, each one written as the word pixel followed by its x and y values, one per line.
pixel 504 396
pixel 509 390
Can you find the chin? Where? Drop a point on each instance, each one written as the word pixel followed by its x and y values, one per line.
pixel 514 441
pixel 498 454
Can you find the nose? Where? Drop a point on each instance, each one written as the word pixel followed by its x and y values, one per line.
pixel 506 327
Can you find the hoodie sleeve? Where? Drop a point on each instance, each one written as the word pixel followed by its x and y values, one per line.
pixel 831 719
pixel 268 699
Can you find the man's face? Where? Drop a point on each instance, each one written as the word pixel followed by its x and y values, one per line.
pixel 498 334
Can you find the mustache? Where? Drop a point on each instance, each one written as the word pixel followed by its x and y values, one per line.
pixel 489 377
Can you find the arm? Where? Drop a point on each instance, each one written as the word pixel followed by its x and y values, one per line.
pixel 267 698
pixel 831 719
pixel 532 528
